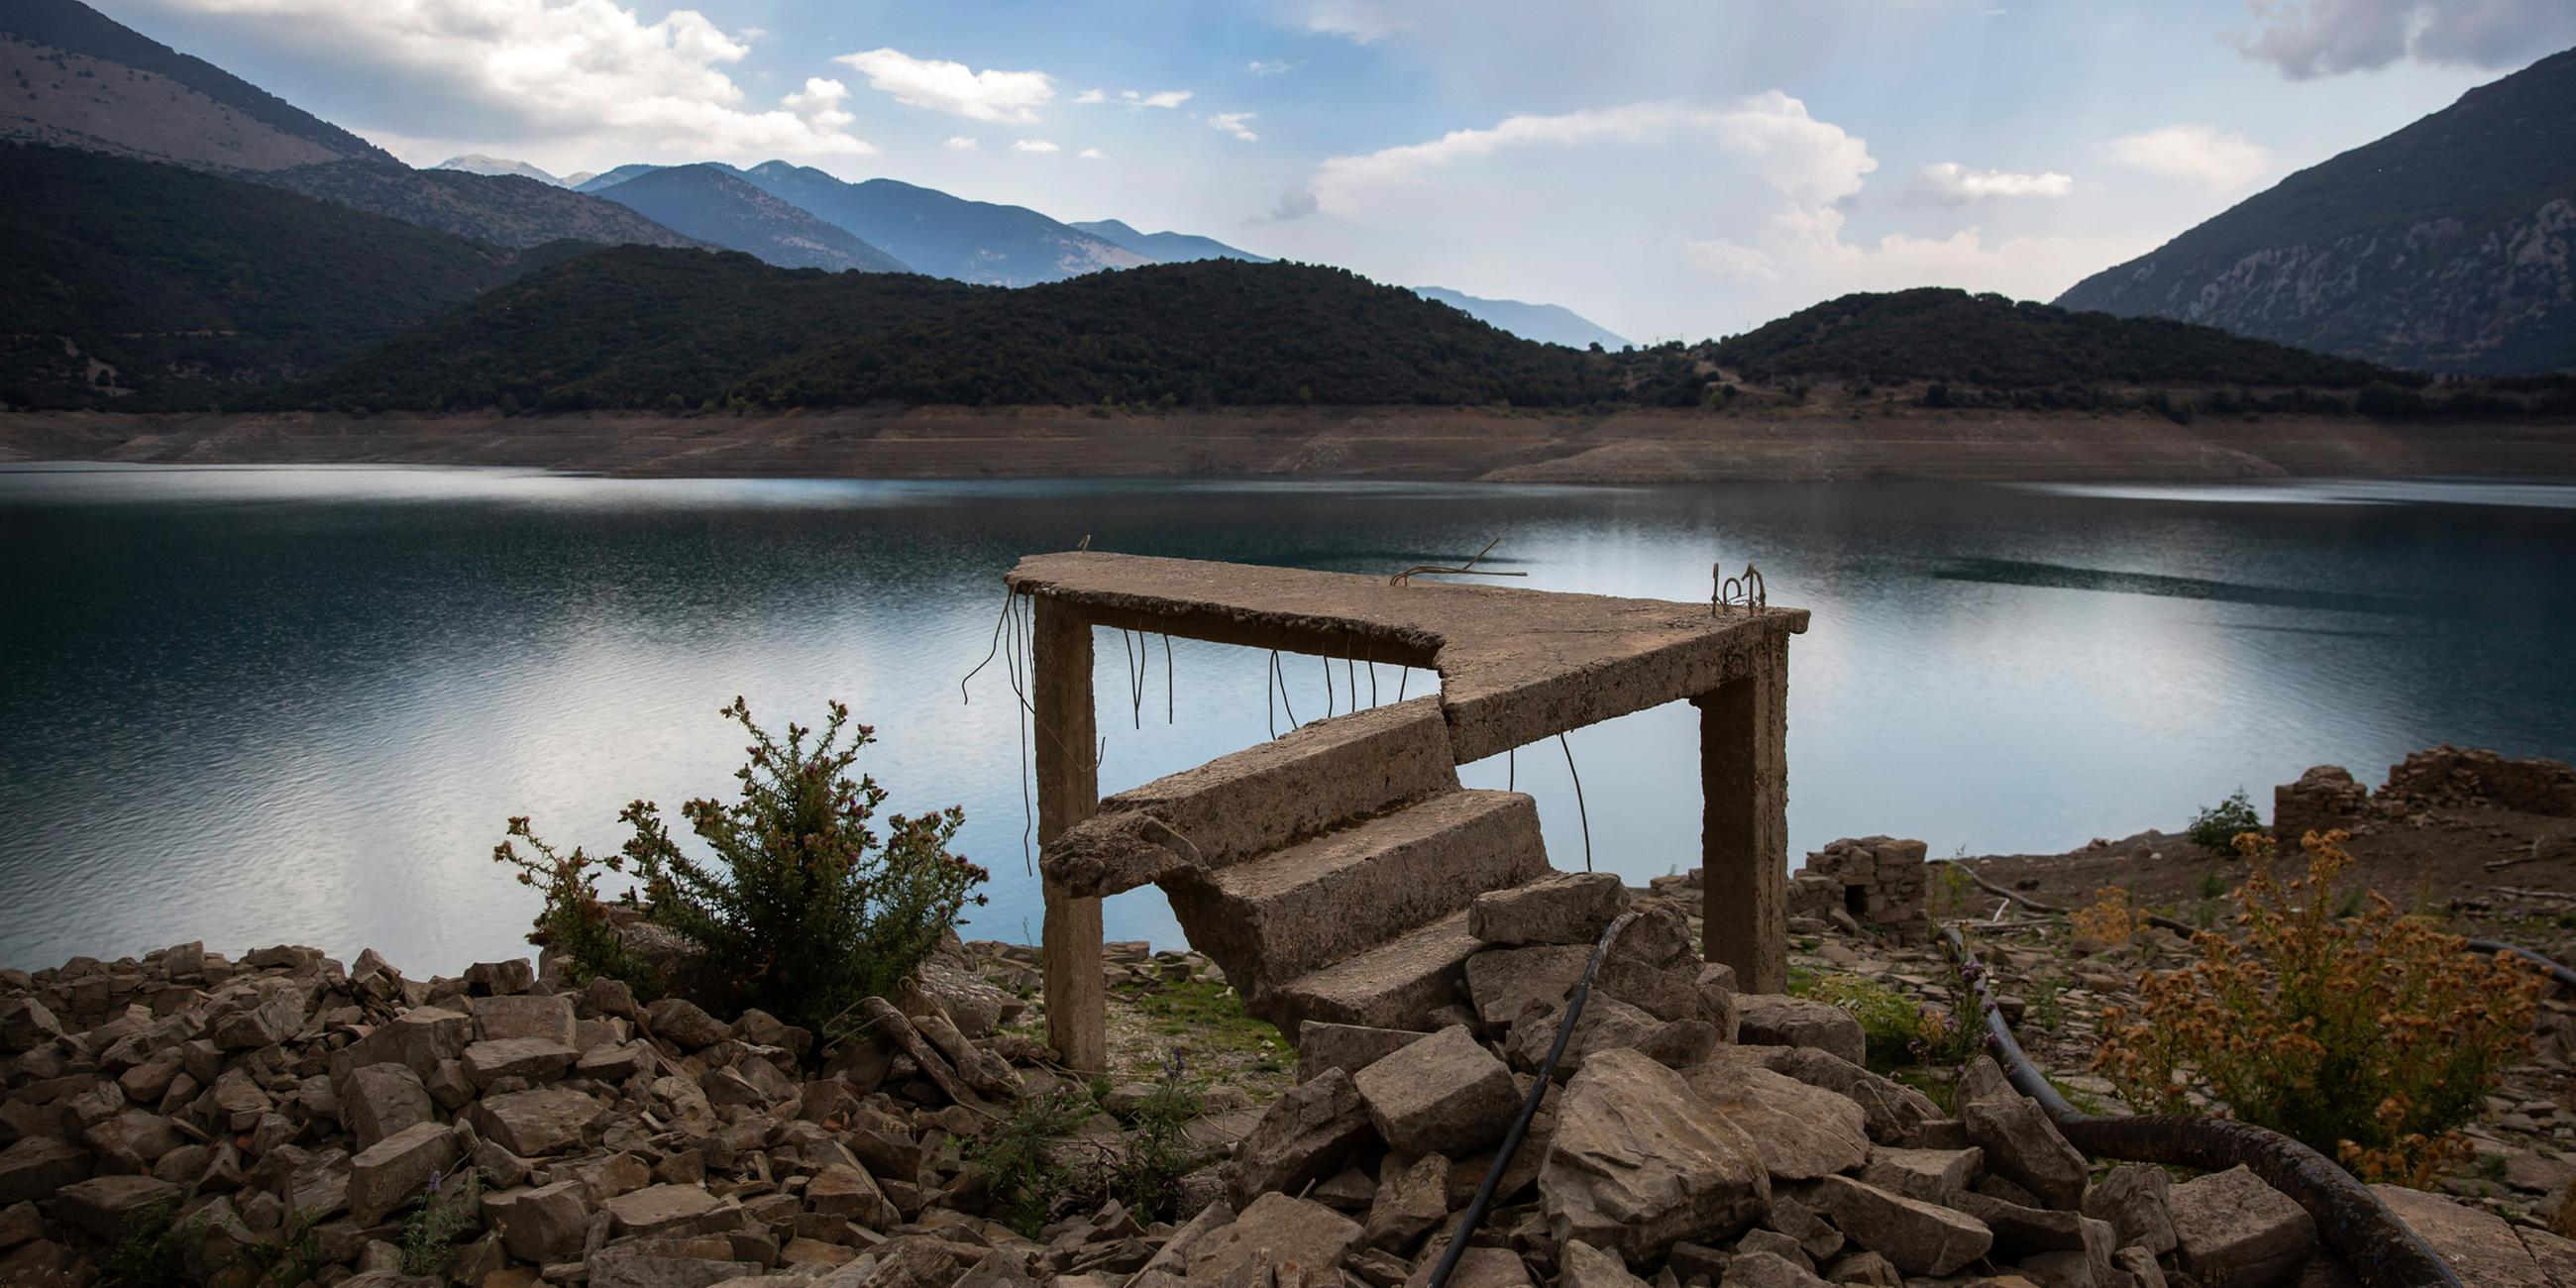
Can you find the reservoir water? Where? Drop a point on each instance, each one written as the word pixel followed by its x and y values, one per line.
pixel 264 705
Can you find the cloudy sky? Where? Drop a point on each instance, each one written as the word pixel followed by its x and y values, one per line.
pixel 1665 167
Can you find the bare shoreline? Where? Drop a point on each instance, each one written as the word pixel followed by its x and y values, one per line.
pixel 1447 444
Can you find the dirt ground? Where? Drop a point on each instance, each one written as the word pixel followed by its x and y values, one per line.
pixel 1820 442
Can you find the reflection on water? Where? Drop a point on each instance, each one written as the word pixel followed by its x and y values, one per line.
pixel 262 705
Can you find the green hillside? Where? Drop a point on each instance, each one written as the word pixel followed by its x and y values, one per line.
pixel 1939 334
pixel 186 285
pixel 631 326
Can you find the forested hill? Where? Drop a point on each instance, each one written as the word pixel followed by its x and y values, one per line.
pixel 642 327
pixel 1939 334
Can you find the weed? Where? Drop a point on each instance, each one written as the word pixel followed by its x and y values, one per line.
pixel 292 1258
pixel 1951 891
pixel 1899 1030
pixel 1021 1158
pixel 2047 1005
pixel 449 1206
pixel 2112 919
pixel 2371 1038
pixel 2491 1167
pixel 2216 827
pixel 149 1251
pixel 2213 885
pixel 1157 1150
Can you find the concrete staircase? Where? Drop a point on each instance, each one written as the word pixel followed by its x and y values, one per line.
pixel 1328 872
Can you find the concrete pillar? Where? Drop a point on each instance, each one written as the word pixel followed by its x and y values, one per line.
pixel 1068 776
pixel 1744 829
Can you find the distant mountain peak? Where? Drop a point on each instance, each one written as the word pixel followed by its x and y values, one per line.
pixel 478 163
pixel 1545 323
pixel 1168 247
pixel 2447 246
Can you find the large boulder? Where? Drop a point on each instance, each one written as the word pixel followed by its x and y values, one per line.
pixel 528 1015
pixel 1444 1094
pixel 1564 908
pixel 1895 1111
pixel 37 1166
pixel 1801 1132
pixel 541 1224
pixel 1305 1136
pixel 1411 1198
pixel 1932 1175
pixel 1639 1162
pixel 1347 1047
pixel 1506 982
pixel 2134 1198
pixel 2234 1231
pixel 101 1205
pixel 532 1123
pixel 397 1170
pixel 1918 1237
pixel 2021 1144
pixel 419 1038
pixel 2477 1243
pixel 378 1100
pixel 1295 1239
pixel 1772 1019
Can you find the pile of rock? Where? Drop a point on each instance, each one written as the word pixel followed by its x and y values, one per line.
pixel 1693 1137
pixel 282 1106
pixel 1878 881
pixel 2445 777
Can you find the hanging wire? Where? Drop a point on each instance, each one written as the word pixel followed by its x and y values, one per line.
pixel 1401 681
pixel 1580 814
pixel 1280 673
pixel 1511 769
pixel 1167 677
pixel 963 697
pixel 1372 681
pixel 1328 686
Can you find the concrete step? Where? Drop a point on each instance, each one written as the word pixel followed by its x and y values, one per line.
pixel 1391 986
pixel 1283 915
pixel 1260 800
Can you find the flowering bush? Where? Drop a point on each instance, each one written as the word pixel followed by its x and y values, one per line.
pixel 804 909
pixel 2112 919
pixel 2371 1038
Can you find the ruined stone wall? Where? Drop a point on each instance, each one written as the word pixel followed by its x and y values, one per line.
pixel 1874 880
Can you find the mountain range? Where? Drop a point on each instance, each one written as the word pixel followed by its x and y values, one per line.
pixel 478 163
pixel 716 204
pixel 2447 246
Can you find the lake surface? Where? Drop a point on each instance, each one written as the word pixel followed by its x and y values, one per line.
pixel 261 705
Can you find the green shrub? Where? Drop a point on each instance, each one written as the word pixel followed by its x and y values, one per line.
pixel 1157 1151
pixel 150 1249
pixel 1036 1167
pixel 2216 827
pixel 804 909
pixel 1022 1156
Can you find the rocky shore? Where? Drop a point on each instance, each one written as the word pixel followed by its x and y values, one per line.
pixel 280 1117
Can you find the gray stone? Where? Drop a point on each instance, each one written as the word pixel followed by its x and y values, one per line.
pixel 850 1194
pixel 1772 1019
pixel 1609 1024
pixel 1866 1268
pixel 1444 1094
pixel 1478 1267
pixel 2233 1231
pixel 26 1024
pixel 101 1204
pixel 37 1166
pixel 542 1224
pixel 1932 1175
pixel 1280 1235
pixel 2141 1267
pixel 1305 1136
pixel 660 1209
pixel 1638 1162
pixel 548 1016
pixel 271 1014
pixel 535 1059
pixel 2477 1243
pixel 1411 1199
pixel 537 1122
pixel 1801 1132
pixel 1580 1265
pixel 2133 1198
pixel 1896 1112
pixel 1347 1047
pixel 1917 1237
pixel 419 1038
pixel 1506 982
pixel 1759 1269
pixel 378 1100
pixel 636 1267
pixel 680 1021
pixel 2024 1147
pixel 1564 908
pixel 397 1169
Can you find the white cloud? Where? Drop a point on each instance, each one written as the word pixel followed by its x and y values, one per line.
pixel 1163 98
pixel 988 95
pixel 961 143
pixel 1034 145
pixel 573 71
pixel 1261 67
pixel 2221 160
pixel 2311 38
pixel 1952 184
pixel 1091 96
pixel 820 101
pixel 1233 123
pixel 1810 160
pixel 1091 154
pixel 1295 203
pixel 753 33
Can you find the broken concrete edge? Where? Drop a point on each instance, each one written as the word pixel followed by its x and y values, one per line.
pixel 1680 650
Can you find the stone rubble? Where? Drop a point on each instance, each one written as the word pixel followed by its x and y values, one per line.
pixel 1692 1137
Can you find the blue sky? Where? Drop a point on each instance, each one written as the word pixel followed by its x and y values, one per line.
pixel 1666 167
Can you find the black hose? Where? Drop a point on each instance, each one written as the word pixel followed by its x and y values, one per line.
pixel 2379 1247
pixel 1475 1213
